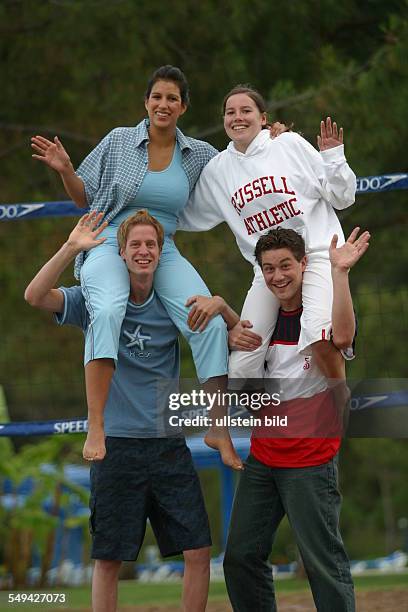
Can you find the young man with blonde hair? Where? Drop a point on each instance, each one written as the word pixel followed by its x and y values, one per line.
pixel 145 471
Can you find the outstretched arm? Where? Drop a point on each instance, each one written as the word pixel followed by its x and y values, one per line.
pixel 342 260
pixel 53 154
pixel 41 292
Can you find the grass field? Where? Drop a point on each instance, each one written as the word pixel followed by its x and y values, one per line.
pixel 133 595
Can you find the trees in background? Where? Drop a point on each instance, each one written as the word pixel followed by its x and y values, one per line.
pixel 78 69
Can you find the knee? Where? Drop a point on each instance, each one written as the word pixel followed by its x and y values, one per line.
pixel 232 557
pixel 198 558
pixel 214 335
pixel 245 365
pixel 109 568
pixel 108 312
pixel 240 554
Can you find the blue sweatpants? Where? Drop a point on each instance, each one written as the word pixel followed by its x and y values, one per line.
pixel 105 286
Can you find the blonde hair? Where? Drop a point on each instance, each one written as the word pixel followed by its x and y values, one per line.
pixel 142 217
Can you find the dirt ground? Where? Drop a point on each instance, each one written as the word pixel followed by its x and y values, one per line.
pixel 367 601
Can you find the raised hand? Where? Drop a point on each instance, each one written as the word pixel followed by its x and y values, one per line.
pixel 329 136
pixel 51 153
pixel 85 234
pixel 346 256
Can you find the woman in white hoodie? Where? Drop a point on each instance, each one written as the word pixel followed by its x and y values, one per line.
pixel 259 183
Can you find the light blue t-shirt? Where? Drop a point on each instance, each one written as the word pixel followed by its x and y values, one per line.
pixel 147 370
pixel 164 194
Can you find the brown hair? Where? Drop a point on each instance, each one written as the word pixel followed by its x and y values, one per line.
pixel 281 238
pixel 251 93
pixel 142 217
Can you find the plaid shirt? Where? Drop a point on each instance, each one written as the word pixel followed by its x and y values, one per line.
pixel 113 172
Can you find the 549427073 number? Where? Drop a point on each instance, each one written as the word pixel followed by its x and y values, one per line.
pixel 36 598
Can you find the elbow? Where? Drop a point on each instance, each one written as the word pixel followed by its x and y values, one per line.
pixel 81 203
pixel 350 200
pixel 343 341
pixel 31 297
pixel 342 345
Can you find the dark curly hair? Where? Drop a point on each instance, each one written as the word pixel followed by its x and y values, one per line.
pixel 280 238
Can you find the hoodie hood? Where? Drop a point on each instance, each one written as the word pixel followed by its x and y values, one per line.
pixel 258 143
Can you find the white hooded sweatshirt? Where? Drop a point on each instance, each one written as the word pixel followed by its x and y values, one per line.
pixel 276 182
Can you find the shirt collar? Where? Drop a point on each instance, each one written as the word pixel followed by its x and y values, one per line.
pixel 142 135
pixel 182 140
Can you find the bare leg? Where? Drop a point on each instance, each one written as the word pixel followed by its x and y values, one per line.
pixel 98 376
pixel 196 579
pixel 218 437
pixel 105 585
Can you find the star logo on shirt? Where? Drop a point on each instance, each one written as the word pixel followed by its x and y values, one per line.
pixel 137 338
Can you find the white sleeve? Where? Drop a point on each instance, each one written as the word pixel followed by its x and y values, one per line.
pixel 201 212
pixel 338 182
pixel 261 308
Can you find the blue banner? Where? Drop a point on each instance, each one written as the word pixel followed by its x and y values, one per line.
pixel 385 182
pixel 44 428
pixel 16 212
pixel 66 208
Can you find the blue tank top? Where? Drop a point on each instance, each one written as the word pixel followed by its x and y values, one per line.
pixel 164 194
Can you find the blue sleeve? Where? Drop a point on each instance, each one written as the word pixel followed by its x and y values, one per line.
pixel 93 167
pixel 75 312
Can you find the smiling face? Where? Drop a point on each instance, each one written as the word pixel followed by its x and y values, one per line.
pixel 283 275
pixel 242 120
pixel 164 105
pixel 141 253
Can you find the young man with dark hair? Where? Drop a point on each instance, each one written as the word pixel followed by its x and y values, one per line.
pixel 294 476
